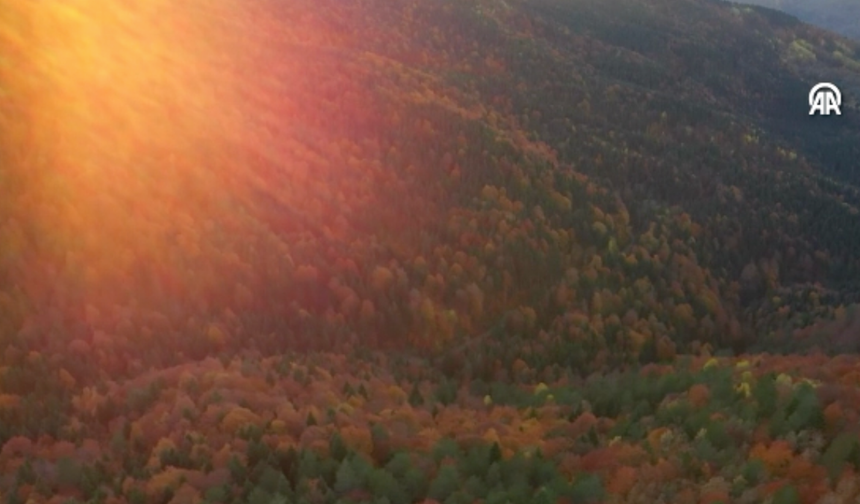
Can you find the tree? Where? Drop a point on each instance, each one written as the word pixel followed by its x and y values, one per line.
pixel 383 483
pixel 415 397
pixel 587 489
pixel 337 448
pixel 446 482
pixel 348 477
pixel 788 494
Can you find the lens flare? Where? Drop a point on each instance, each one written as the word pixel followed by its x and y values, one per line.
pixel 111 111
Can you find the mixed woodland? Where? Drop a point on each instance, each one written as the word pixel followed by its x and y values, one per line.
pixel 840 16
pixel 438 252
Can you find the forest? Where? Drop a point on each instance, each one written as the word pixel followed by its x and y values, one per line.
pixel 840 16
pixel 435 252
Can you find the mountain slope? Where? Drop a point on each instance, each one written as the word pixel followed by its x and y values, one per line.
pixel 752 64
pixel 661 156
pixel 443 250
pixel 840 16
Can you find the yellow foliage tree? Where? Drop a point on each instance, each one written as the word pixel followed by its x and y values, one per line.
pixel 357 439
pixel 163 445
pixel 381 278
pixel 167 480
pixel 237 418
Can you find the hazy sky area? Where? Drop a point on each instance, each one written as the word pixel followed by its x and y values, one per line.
pixel 841 16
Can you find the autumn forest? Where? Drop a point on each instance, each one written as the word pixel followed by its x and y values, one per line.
pixel 433 252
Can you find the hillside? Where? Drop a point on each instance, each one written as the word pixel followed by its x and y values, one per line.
pixel 840 16
pixel 394 251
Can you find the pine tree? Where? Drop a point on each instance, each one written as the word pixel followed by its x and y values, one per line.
pixel 415 397
pixel 347 478
pixel 446 482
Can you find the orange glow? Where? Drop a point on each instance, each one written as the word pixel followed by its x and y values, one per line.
pixel 139 129
pixel 181 159
pixel 113 112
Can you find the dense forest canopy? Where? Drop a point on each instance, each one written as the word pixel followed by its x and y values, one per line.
pixel 440 251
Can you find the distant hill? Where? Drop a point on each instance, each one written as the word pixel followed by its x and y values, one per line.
pixel 840 16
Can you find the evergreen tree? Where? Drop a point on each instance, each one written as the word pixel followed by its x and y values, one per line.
pixel 415 397
pixel 446 482
pixel 348 477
